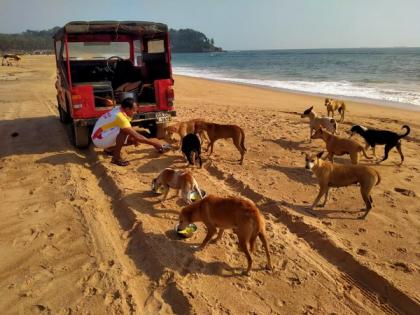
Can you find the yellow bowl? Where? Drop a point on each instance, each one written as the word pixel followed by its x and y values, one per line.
pixel 187 232
pixel 195 196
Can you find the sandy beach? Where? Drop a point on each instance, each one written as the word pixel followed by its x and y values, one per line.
pixel 79 235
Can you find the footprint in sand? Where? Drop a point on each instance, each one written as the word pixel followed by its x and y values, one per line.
pixel 362 252
pixel 393 234
pixel 400 266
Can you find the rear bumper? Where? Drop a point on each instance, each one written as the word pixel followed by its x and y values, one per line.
pixel 138 118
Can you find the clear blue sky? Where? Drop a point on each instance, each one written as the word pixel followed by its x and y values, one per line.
pixel 241 24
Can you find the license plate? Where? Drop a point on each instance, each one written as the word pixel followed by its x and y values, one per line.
pixel 162 118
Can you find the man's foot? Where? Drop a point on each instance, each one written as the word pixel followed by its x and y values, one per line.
pixel 120 162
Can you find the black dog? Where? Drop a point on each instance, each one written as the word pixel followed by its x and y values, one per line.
pixel 191 148
pixel 375 136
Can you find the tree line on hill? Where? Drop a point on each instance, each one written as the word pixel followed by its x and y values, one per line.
pixel 182 41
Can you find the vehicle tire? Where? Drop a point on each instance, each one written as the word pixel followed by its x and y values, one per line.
pixel 80 136
pixel 64 116
pixel 152 130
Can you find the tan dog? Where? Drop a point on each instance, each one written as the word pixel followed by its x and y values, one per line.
pixel 339 146
pixel 235 213
pixel 316 122
pixel 217 131
pixel 8 58
pixel 335 175
pixel 183 128
pixel 333 105
pixel 182 181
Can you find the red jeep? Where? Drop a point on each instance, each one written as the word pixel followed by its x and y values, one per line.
pixel 100 63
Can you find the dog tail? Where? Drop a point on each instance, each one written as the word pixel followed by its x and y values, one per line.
pixel 243 140
pixel 195 186
pixel 379 178
pixel 406 133
pixel 335 125
pixel 263 239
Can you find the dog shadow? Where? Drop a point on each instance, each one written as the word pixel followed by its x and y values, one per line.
pixel 179 256
pixel 297 174
pixel 288 144
pixel 151 200
pixel 323 213
pixel 156 164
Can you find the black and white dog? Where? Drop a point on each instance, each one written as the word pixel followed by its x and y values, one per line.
pixel 191 148
pixel 375 136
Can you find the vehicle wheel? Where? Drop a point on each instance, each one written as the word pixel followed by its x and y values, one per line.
pixel 152 130
pixel 80 136
pixel 64 117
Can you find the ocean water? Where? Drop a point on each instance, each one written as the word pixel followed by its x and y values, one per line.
pixel 390 75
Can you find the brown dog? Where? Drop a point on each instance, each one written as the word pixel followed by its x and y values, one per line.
pixel 182 181
pixel 217 131
pixel 340 146
pixel 336 175
pixel 183 128
pixel 333 105
pixel 235 213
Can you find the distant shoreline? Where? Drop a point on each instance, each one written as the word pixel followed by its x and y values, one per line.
pixel 384 103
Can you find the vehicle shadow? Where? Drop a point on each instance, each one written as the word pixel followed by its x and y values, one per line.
pixel 34 135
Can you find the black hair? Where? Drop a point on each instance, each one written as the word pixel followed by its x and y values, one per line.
pixel 128 103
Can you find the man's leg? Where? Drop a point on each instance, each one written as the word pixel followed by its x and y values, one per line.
pixel 121 140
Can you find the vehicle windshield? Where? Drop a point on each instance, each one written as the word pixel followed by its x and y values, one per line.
pixel 98 50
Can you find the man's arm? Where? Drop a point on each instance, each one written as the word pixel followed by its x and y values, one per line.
pixel 140 138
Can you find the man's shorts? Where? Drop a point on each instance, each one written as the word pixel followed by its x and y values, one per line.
pixel 109 138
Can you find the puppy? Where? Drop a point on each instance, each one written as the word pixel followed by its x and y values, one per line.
pixel 375 136
pixel 315 122
pixel 182 181
pixel 335 175
pixel 235 213
pixel 217 131
pixel 182 129
pixel 191 148
pixel 333 105
pixel 340 146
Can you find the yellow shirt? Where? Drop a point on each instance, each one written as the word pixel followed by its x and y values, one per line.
pixel 107 123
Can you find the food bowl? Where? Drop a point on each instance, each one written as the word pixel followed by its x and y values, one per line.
pixel 195 196
pixel 156 190
pixel 187 232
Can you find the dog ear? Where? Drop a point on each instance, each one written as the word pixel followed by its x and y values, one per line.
pixel 319 155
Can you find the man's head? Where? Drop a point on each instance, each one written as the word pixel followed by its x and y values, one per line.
pixel 129 106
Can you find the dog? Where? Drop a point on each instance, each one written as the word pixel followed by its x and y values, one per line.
pixel 333 105
pixel 235 213
pixel 182 181
pixel 336 175
pixel 374 136
pixel 182 129
pixel 339 146
pixel 191 149
pixel 7 59
pixel 315 122
pixel 218 131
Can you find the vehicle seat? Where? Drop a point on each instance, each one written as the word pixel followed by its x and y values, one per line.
pixel 124 72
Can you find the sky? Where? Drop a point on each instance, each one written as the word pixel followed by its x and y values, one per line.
pixel 241 24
